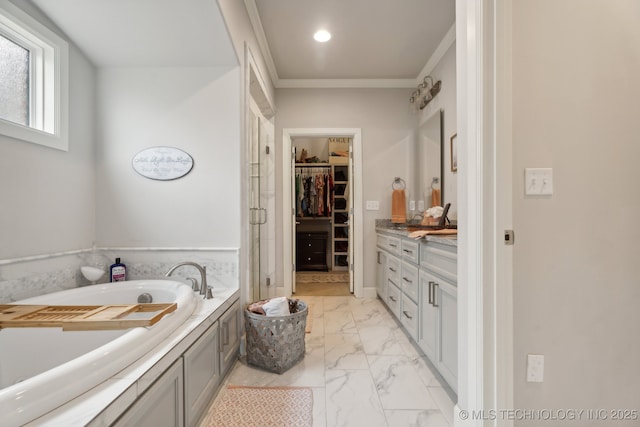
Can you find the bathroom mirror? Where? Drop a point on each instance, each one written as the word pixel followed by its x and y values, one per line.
pixel 430 158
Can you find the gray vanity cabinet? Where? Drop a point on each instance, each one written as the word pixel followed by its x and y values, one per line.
pixel 381 274
pixel 229 337
pixel 202 374
pixel 417 282
pixel 428 336
pixel 409 284
pixel 161 405
pixel 438 336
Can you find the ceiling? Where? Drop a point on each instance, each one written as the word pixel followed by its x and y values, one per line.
pixel 375 43
pixel 144 33
pixel 372 40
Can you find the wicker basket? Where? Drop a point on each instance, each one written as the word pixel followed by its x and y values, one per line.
pixel 276 343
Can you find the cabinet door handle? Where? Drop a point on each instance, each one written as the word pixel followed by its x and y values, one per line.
pixel 406 315
pixel 392 269
pixel 379 258
pixel 393 245
pixel 225 334
pixel 392 298
pixel 407 251
pixel 407 280
pixel 431 292
pixel 435 285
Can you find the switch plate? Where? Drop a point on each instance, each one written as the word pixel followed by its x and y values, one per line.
pixel 372 205
pixel 421 205
pixel 535 368
pixel 538 181
pixel 412 205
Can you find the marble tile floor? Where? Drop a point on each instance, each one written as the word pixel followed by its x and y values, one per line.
pixel 362 368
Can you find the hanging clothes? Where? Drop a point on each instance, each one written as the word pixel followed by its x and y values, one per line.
pixel 313 191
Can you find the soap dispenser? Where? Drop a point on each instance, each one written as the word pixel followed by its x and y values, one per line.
pixel 118 272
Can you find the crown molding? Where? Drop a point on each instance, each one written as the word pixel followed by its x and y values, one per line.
pixel 345 83
pixel 258 29
pixel 447 41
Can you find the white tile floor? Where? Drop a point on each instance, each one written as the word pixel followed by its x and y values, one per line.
pixel 362 368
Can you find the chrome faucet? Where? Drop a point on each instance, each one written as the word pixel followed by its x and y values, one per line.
pixel 204 288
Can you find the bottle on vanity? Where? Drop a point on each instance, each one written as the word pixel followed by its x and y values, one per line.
pixel 118 272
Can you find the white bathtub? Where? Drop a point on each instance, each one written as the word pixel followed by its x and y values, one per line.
pixel 42 368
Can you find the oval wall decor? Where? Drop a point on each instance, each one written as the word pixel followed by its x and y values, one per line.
pixel 162 163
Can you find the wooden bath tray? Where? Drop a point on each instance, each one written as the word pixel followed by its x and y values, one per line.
pixel 82 317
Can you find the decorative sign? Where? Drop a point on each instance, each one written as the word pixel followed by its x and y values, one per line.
pixel 339 139
pixel 162 163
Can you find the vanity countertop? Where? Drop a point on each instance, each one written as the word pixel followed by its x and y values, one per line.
pixel 385 227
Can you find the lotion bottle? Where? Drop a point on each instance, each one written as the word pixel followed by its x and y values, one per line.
pixel 118 272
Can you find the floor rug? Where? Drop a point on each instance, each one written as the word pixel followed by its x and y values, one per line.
pixel 240 406
pixel 320 277
pixel 322 289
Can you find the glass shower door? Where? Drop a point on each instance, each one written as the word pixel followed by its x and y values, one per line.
pixel 257 213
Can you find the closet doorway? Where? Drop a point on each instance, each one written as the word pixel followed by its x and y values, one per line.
pixel 325 229
pixel 322 206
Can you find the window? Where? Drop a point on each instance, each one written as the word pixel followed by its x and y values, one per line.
pixel 33 80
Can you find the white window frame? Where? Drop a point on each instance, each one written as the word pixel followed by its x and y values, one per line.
pixel 49 80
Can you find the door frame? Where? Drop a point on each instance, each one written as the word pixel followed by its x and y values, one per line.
pixel 287 207
pixel 485 270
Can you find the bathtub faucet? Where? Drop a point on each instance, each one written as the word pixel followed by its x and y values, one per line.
pixel 204 288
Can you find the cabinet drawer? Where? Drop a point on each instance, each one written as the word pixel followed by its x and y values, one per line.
pixel 314 245
pixel 314 258
pixel 393 270
pixel 409 317
pixel 393 245
pixel 441 259
pixel 410 281
pixel 381 241
pixel 394 300
pixel 410 251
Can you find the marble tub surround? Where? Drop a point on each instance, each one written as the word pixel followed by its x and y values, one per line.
pixel 28 277
pixel 362 368
pixel 102 405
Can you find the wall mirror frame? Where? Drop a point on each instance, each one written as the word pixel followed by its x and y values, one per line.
pixel 430 158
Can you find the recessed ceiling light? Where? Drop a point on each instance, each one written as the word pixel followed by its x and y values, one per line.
pixel 322 36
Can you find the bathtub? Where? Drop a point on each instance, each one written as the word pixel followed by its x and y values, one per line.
pixel 42 368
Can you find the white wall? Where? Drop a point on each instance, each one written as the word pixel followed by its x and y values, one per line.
pixel 47 195
pixel 576 272
pixel 194 109
pixel 388 137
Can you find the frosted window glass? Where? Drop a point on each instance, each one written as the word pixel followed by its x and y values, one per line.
pixel 14 82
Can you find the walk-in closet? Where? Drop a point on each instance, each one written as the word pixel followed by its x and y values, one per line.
pixel 321 203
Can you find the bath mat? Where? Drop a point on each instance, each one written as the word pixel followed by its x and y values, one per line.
pixel 317 277
pixel 240 406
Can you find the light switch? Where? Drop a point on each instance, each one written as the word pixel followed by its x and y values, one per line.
pixel 412 205
pixel 372 205
pixel 421 205
pixel 538 181
pixel 535 368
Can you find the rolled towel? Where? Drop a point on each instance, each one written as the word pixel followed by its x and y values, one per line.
pixel 398 207
pixel 435 197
